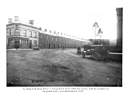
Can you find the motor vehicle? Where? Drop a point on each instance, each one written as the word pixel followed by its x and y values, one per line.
pixel 36 48
pixel 95 52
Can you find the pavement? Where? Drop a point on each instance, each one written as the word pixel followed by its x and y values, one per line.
pixel 58 67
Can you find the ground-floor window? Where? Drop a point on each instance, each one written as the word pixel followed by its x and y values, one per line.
pixel 24 43
pixel 35 43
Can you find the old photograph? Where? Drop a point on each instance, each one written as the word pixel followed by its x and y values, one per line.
pixel 83 50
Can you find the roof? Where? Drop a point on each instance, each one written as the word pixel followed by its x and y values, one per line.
pixel 24 25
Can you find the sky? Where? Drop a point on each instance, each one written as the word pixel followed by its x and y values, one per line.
pixel 72 17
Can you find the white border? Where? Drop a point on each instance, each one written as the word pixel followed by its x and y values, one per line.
pixel 18 91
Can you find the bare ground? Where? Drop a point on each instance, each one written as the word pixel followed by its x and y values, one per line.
pixel 52 67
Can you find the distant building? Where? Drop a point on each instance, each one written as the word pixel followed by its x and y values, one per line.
pixel 21 35
pixel 105 42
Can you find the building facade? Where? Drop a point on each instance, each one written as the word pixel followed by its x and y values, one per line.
pixel 21 35
pixel 52 41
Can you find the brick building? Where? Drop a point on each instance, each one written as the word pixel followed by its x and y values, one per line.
pixel 21 35
pixel 54 40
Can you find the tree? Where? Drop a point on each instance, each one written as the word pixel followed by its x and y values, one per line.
pixel 96 26
pixel 100 32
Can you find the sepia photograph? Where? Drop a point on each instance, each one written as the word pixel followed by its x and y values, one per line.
pixel 87 53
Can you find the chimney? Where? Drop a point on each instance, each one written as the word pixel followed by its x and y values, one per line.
pixel 31 22
pixel 16 18
pixel 9 20
pixel 119 26
pixel 40 28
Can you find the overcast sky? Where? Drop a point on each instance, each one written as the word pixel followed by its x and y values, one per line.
pixel 73 17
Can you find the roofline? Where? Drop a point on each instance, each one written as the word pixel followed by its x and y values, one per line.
pixel 23 25
pixel 41 31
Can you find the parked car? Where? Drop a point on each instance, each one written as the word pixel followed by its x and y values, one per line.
pixel 87 53
pixel 36 48
pixel 95 52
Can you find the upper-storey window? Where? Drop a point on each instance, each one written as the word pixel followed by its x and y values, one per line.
pixel 35 34
pixel 56 39
pixel 8 32
pixel 30 33
pixel 23 33
pixel 17 32
pixel 11 31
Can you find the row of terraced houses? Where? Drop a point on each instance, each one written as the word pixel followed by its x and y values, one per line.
pixel 20 35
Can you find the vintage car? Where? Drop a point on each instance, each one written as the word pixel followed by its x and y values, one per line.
pixel 87 53
pixel 36 48
pixel 97 52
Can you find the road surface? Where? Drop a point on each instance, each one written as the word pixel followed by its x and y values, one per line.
pixel 58 67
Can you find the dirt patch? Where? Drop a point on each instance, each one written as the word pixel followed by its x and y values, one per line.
pixel 57 73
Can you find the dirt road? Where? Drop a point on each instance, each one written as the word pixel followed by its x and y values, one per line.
pixel 57 67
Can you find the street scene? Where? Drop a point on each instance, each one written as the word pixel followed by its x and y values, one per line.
pixel 38 56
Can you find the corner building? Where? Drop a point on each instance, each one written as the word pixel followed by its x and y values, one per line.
pixel 22 36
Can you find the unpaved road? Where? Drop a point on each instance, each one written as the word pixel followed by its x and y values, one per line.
pixel 52 67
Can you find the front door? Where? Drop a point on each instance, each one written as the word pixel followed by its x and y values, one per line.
pixel 30 44
pixel 17 44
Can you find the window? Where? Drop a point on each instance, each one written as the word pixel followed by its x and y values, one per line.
pixel 56 39
pixel 11 32
pixel 17 33
pixel 29 33
pixel 23 32
pixel 8 31
pixel 47 37
pixel 36 34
